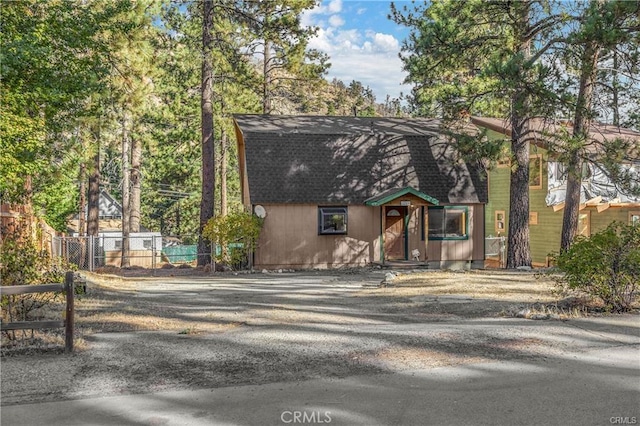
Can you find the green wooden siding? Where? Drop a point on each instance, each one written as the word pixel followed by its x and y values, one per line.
pixel 545 236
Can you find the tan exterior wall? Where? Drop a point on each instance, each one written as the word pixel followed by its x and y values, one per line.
pixel 471 249
pixel 415 233
pixel 289 239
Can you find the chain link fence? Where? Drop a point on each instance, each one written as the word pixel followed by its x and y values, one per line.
pixel 146 250
pixel 495 249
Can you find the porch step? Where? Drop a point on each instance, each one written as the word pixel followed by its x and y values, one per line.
pixel 402 264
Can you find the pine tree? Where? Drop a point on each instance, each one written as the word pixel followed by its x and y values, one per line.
pixel 604 26
pixel 474 57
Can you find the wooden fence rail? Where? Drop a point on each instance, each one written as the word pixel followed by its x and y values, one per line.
pixel 67 287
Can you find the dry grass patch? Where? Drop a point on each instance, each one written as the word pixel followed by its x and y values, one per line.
pixel 448 294
pixel 105 322
pixel 494 285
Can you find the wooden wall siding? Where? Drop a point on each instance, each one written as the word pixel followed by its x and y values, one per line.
pixel 290 238
pixel 415 233
pixel 242 165
pixel 545 236
pixel 467 250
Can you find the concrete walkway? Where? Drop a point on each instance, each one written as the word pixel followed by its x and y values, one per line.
pixel 597 387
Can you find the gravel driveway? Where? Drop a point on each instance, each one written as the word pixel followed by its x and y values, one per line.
pixel 252 329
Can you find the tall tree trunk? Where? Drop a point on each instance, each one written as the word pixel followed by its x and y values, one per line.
pixel 93 205
pixel 136 158
pixel 266 88
pixel 224 154
pixel 82 204
pixel 519 251
pixel 581 123
pixel 126 191
pixel 82 212
pixel 223 183
pixel 207 133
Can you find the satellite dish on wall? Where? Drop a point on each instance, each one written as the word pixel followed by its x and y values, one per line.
pixel 260 211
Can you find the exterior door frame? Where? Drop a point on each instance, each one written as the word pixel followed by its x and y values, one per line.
pixel 404 212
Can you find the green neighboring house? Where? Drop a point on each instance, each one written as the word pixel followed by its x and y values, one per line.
pixel 601 202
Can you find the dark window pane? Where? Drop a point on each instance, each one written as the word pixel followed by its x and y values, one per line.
pixel 332 220
pixel 447 223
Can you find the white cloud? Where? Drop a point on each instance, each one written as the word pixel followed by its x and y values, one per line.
pixel 335 6
pixel 386 43
pixel 332 8
pixel 336 21
pixel 361 11
pixel 382 72
pixel 367 56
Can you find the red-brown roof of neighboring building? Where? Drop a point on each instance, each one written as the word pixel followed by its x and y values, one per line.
pixel 545 130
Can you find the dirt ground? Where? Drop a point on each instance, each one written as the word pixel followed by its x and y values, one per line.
pixel 148 333
pixel 435 294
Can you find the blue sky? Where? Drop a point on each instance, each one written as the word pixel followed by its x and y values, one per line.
pixel 362 43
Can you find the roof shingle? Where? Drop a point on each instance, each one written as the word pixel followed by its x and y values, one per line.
pixel 346 160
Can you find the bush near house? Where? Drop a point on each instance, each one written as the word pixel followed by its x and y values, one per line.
pixel 605 265
pixel 23 263
pixel 236 233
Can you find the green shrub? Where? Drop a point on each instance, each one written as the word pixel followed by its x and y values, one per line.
pixel 237 235
pixel 21 263
pixel 605 265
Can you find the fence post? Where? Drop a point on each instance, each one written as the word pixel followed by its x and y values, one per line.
pixel 213 257
pixel 92 253
pixel 153 254
pixel 68 332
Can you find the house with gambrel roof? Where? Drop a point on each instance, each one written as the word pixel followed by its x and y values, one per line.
pixel 352 191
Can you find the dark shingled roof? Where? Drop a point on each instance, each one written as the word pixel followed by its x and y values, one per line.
pixel 346 160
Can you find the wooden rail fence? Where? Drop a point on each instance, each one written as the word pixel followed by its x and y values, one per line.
pixel 67 287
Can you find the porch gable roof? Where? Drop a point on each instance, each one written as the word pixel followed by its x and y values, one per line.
pixel 396 193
